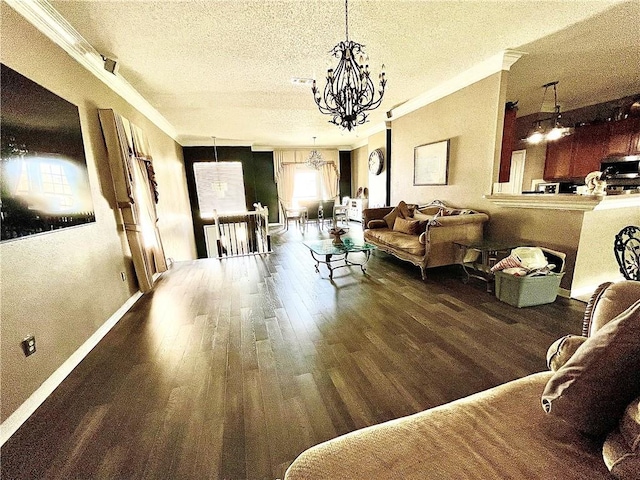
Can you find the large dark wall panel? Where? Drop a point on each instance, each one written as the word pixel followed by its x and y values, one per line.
pixel 345 174
pixel 388 168
pixel 259 184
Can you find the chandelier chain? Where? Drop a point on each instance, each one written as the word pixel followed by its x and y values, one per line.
pixel 346 19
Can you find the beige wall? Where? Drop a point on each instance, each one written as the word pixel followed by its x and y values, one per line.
pixel 62 286
pixel 378 183
pixel 470 118
pixel 359 169
pixel 533 164
pixel 596 262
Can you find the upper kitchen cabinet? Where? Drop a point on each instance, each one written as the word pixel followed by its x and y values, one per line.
pixel 624 137
pixel 575 156
pixel 590 147
pixel 559 157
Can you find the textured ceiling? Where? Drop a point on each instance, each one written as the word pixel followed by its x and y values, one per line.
pixel 224 68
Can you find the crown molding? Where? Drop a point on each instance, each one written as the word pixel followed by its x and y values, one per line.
pixel 42 15
pixel 501 61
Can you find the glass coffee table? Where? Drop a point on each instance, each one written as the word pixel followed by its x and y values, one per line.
pixel 338 255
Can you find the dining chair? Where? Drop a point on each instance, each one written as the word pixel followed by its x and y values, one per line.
pixel 314 212
pixel 626 248
pixel 296 214
pixel 328 213
pixel 341 211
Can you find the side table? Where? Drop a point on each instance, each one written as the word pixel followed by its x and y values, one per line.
pixel 477 258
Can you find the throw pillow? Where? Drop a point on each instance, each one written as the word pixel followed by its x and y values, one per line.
pixel 377 223
pixel 422 216
pixel 410 227
pixel 593 388
pixel 432 210
pixel 621 449
pixel 423 219
pixel 401 211
pixel 390 218
pixel 404 209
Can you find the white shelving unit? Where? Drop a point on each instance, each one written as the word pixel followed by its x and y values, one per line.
pixel 356 205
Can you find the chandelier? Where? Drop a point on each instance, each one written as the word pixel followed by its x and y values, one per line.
pixel 315 160
pixel 349 92
pixel 540 132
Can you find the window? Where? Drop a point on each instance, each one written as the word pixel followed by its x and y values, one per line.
pixel 54 182
pixel 306 184
pixel 220 187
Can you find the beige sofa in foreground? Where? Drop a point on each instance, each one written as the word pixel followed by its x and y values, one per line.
pixel 424 236
pixel 504 432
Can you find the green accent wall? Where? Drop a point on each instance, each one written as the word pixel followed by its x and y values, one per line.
pixel 259 184
pixel 345 174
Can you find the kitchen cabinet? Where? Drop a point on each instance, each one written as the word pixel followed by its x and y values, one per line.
pixel 575 156
pixel 558 163
pixel 589 148
pixel 624 137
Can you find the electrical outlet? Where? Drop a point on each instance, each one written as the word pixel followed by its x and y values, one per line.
pixel 123 276
pixel 29 345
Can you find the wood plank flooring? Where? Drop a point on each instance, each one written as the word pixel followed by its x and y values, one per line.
pixel 229 369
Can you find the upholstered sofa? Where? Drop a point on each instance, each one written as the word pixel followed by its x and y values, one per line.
pixel 423 235
pixel 524 429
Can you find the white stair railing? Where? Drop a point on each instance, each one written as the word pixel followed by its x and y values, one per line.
pixel 239 234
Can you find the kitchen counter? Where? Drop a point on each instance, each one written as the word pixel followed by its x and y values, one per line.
pixel 582 226
pixel 566 201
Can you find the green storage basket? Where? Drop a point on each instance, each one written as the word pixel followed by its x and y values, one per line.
pixel 530 291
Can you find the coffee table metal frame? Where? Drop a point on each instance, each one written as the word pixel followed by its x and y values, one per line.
pixel 328 253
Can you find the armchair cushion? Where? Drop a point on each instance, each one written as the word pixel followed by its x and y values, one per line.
pixel 621 449
pixel 562 350
pixel 610 303
pixel 593 388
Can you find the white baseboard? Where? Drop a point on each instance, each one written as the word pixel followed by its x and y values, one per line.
pixel 564 293
pixel 24 411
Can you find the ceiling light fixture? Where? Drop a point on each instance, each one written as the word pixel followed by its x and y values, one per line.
pixel 540 132
pixel 349 92
pixel 315 159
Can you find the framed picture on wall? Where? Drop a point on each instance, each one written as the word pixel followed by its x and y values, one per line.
pixel 431 163
pixel 45 181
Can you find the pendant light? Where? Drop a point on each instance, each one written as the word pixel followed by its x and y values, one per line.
pixel 541 131
pixel 315 159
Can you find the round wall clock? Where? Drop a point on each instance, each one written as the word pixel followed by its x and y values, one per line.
pixel 376 161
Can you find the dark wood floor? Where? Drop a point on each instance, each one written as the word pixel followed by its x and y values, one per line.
pixel 230 369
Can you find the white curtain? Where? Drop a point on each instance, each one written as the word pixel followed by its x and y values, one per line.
pixel 278 161
pixel 330 178
pixel 286 183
